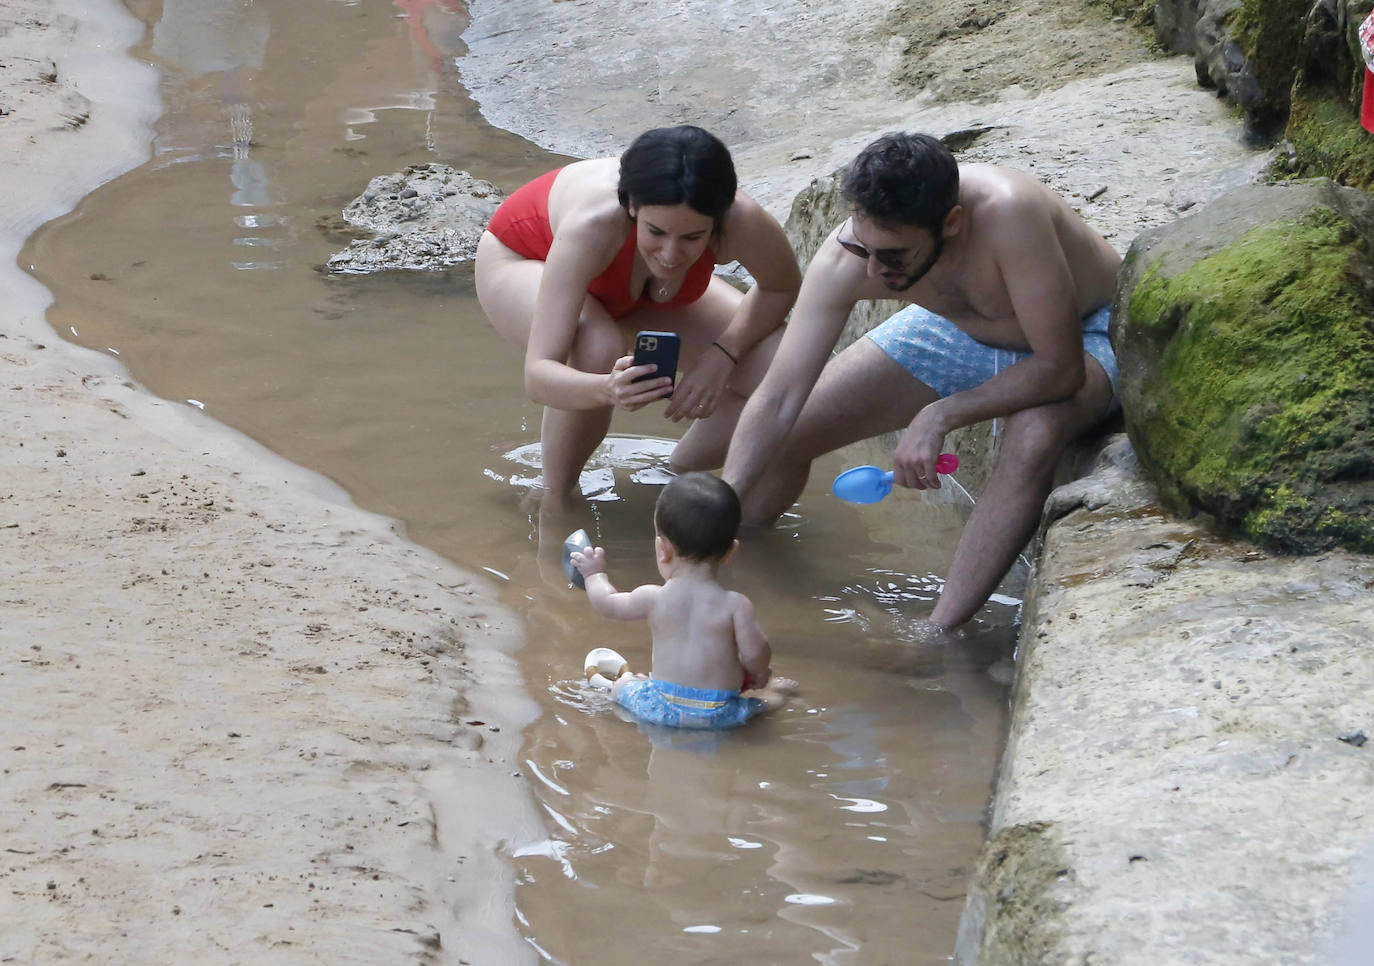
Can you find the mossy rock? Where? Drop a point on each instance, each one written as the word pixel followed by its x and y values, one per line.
pixel 1246 340
pixel 1020 891
pixel 1270 32
pixel 1327 140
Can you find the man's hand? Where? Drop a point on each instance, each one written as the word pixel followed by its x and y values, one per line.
pixel 913 462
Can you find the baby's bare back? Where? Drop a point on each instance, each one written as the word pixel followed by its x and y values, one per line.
pixel 693 627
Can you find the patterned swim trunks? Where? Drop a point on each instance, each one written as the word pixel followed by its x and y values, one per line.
pixel 665 703
pixel 949 360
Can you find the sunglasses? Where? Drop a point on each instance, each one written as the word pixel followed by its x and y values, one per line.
pixel 893 258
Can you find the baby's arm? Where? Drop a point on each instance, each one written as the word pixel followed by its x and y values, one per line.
pixel 751 644
pixel 631 605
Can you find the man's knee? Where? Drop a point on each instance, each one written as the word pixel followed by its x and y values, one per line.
pixel 801 447
pixel 1038 433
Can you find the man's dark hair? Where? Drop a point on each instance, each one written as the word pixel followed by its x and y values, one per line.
pixel 679 165
pixel 699 514
pixel 903 179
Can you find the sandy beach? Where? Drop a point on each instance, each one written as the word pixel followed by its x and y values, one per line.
pixel 240 714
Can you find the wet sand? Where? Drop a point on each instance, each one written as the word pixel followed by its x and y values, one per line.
pixel 241 714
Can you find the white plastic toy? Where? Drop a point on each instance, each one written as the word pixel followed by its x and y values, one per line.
pixel 603 666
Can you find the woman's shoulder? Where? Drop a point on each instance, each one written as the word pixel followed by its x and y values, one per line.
pixel 745 222
pixel 584 195
pixel 754 238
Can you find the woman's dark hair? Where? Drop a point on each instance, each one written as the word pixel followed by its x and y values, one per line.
pixel 679 165
pixel 903 179
pixel 699 514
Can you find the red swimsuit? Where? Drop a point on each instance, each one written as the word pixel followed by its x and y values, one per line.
pixel 522 225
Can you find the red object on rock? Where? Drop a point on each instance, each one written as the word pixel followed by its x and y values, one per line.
pixel 1367 107
pixel 1367 48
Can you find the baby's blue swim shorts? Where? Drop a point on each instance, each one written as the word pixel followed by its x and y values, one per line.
pixel 665 703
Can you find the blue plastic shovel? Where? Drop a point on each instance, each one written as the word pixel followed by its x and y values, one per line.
pixel 869 484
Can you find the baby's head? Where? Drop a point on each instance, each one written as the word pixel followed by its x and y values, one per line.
pixel 699 515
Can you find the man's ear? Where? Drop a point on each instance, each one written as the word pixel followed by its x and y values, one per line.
pixel 725 557
pixel 954 221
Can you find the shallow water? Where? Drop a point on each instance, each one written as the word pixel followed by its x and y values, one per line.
pixel 842 828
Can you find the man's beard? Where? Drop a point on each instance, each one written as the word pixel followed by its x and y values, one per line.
pixel 921 269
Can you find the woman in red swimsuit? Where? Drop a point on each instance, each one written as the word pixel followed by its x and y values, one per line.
pixel 577 261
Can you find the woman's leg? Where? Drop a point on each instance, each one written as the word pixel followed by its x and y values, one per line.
pixel 704 444
pixel 568 437
pixel 706 441
pixel 507 284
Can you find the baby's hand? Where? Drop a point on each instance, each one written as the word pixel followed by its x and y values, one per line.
pixel 591 562
pixel 753 684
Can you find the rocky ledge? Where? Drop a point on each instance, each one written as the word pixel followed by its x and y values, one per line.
pixel 1186 778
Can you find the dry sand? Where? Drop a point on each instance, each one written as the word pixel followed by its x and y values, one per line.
pixel 240 715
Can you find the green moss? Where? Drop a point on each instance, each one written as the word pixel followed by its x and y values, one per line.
pixel 1328 141
pixel 1269 349
pixel 1270 33
pixel 1025 877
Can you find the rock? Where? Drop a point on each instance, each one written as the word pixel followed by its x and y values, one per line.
pixel 1175 25
pixel 424 218
pixel 1247 368
pixel 1221 63
pixel 1177 697
pixel 1249 53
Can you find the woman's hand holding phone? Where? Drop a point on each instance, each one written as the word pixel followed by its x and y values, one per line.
pixel 632 387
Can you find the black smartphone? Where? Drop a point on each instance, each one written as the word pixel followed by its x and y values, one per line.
pixel 660 348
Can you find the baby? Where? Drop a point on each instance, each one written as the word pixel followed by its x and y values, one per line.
pixel 707 646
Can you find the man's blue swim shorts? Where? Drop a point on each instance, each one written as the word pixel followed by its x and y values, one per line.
pixel 949 360
pixel 665 703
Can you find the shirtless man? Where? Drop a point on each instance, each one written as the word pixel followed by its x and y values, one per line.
pixel 1010 293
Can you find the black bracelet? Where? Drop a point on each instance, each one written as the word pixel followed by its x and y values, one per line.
pixel 727 352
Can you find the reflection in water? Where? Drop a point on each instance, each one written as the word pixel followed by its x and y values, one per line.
pixel 645 458
pixel 226 38
pixel 840 829
pixel 436 27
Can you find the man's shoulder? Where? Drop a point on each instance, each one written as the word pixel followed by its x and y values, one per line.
pixel 998 191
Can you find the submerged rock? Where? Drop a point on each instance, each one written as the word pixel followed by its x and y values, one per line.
pixel 1247 363
pixel 424 218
